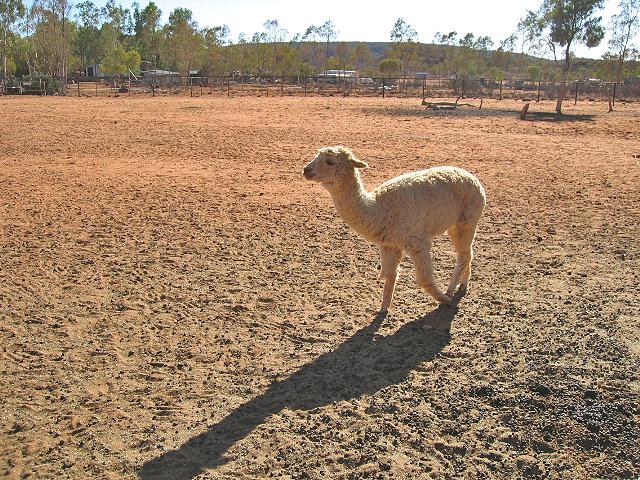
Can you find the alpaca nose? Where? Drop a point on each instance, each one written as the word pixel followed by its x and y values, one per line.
pixel 307 171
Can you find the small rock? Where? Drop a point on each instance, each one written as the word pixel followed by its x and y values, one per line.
pixel 527 464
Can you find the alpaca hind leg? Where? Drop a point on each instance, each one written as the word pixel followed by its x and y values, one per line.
pixel 424 275
pixel 453 233
pixel 461 236
pixel 389 260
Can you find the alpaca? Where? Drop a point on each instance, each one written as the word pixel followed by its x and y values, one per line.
pixel 404 214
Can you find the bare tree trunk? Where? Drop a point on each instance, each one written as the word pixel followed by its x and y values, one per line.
pixel 326 54
pixel 4 60
pixel 566 66
pixel 563 91
pixel 64 50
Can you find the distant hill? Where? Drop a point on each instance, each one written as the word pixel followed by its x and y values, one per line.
pixel 431 56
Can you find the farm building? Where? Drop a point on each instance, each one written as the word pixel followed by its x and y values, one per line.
pixel 333 76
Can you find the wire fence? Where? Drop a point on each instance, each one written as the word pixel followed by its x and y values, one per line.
pixel 410 87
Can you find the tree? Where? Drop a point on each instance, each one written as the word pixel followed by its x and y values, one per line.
pixel 446 41
pixel 183 42
pixel 327 31
pixel 560 25
pixel 470 56
pixel 216 54
pixel 343 54
pixel 361 56
pixel 260 52
pixel 312 35
pixel 533 71
pixel 10 12
pixel 287 60
pixel 119 18
pixel 243 60
pixel 87 43
pixel 404 36
pixel 390 66
pixel 51 38
pixel 502 58
pixel 147 32
pixel 121 62
pixel 275 35
pixel 624 27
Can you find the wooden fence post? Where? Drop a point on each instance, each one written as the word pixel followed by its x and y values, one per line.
pixel 575 102
pixel 538 91
pixel 500 89
pixel 614 93
pixel 384 87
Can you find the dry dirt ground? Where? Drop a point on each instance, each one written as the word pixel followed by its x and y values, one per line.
pixel 176 302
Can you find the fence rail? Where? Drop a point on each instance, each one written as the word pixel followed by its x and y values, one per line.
pixel 237 85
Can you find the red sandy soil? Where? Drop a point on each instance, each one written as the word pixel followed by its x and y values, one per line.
pixel 176 302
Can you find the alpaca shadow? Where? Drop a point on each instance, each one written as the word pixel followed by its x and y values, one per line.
pixel 363 364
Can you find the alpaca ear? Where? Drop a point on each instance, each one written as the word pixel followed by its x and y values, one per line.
pixel 358 163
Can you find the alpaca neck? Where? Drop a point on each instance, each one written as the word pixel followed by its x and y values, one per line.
pixel 355 205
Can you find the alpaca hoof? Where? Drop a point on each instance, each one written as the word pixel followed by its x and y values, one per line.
pixel 446 300
pixel 460 292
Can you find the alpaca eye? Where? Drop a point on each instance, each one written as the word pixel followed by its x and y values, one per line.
pixel 331 162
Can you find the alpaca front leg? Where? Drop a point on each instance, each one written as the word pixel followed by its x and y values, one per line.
pixel 389 260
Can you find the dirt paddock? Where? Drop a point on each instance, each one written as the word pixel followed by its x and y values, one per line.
pixel 176 302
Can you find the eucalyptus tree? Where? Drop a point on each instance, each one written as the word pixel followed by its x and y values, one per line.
pixel 183 41
pixel 217 56
pixel 310 46
pixel 390 66
pixel 51 38
pixel 470 56
pixel 120 62
pixel 118 24
pixel 327 31
pixel 147 31
pixel 275 36
pixel 404 38
pixel 87 44
pixel 624 27
pixel 10 12
pixel 361 56
pixel 560 25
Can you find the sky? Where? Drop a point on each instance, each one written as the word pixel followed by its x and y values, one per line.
pixel 371 20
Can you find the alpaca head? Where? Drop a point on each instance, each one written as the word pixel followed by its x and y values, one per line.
pixel 331 164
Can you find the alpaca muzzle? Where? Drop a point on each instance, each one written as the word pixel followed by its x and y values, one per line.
pixel 308 173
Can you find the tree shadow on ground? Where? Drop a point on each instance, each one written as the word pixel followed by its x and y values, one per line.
pixel 363 364
pixel 555 117
pixel 468 112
